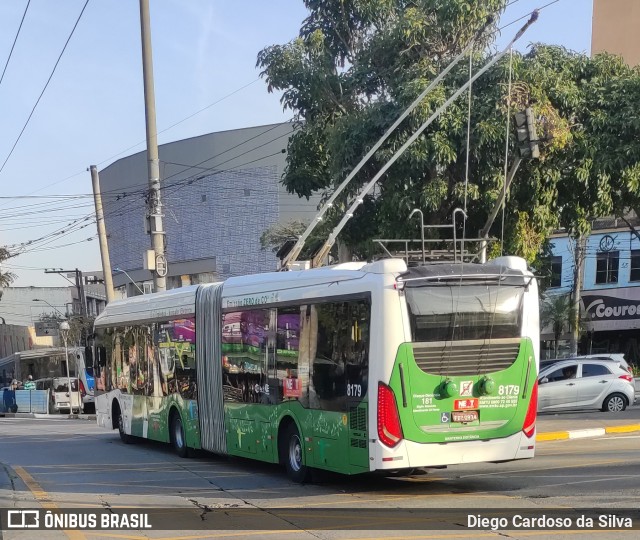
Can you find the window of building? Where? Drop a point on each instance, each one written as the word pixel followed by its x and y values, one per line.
pixel 556 272
pixel 607 267
pixel 635 265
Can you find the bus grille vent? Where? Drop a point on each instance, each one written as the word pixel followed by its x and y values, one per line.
pixel 358 418
pixel 466 357
pixel 358 443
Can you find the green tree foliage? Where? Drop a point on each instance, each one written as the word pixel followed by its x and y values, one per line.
pixel 357 64
pixel 557 312
pixel 6 278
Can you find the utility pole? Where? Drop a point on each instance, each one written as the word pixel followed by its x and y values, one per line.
pixel 102 234
pixel 79 287
pixel 579 255
pixel 153 162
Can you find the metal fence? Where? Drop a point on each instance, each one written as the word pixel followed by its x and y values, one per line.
pixel 26 401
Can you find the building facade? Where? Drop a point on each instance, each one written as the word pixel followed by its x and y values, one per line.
pixel 220 193
pixel 610 295
pixel 615 29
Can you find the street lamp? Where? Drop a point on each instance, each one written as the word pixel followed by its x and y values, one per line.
pixel 116 269
pixel 51 306
pixel 64 332
pixel 418 211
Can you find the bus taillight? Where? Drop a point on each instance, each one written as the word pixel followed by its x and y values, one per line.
pixel 529 427
pixel 389 428
pixel 82 390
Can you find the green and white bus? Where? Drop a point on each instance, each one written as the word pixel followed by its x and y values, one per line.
pixel 353 368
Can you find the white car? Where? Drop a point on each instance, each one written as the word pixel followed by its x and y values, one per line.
pixel 610 357
pixel 585 384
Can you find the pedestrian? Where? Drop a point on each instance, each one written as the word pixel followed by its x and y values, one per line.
pixel 30 384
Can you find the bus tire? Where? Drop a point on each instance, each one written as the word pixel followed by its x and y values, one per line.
pixel 178 439
pixel 292 455
pixel 615 403
pixel 126 439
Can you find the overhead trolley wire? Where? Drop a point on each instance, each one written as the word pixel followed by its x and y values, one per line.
pixel 14 41
pixel 45 87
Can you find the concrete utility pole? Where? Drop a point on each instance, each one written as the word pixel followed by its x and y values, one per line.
pixel 102 234
pixel 577 290
pixel 153 163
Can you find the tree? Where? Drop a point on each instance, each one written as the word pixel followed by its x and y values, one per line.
pixel 557 312
pixel 357 64
pixel 6 278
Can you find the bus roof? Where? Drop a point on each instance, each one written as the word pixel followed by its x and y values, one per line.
pixel 179 303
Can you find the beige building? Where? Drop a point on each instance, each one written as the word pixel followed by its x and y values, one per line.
pixel 615 29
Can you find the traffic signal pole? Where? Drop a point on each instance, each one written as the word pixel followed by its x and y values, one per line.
pixel 484 232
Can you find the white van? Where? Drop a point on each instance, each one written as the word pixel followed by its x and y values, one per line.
pixel 60 399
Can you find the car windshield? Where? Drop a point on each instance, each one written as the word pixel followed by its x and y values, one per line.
pixel 62 385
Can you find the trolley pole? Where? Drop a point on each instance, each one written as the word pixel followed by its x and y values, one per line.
pixel 153 162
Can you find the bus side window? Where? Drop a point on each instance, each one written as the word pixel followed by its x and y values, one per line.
pixel 292 383
pixel 340 364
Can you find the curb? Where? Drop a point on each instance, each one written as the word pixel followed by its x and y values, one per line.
pixel 91 417
pixel 585 433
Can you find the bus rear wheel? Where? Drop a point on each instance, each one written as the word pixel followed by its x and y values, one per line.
pixel 126 439
pixel 178 439
pixel 292 455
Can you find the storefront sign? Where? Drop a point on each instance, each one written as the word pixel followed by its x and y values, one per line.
pixel 612 309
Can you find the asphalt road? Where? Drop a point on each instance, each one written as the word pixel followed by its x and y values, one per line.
pixel 75 464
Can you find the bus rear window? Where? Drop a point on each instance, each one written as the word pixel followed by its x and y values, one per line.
pixel 444 313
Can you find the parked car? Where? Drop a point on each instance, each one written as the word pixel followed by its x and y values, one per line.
pixel 618 358
pixel 585 383
pixel 60 399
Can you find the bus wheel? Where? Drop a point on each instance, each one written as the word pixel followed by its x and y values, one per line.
pixel 178 440
pixel 293 462
pixel 126 439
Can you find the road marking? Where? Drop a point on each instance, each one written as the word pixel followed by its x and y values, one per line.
pixel 623 429
pixel 473 534
pixel 618 437
pixel 507 472
pixel 43 498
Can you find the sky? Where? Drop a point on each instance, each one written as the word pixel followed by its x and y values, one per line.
pixel 91 113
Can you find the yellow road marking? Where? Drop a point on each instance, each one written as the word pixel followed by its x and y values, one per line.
pixel 552 436
pixel 622 429
pixel 43 498
pixel 200 536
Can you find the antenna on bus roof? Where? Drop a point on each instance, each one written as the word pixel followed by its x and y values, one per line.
pixel 324 251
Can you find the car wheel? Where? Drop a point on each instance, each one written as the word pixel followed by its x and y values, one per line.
pixel 126 439
pixel 292 452
pixel 614 403
pixel 178 440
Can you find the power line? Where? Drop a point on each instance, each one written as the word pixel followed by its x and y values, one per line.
pixel 45 87
pixel 14 41
pixel 528 14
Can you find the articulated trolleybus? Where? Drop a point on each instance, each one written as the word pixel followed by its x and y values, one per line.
pixel 353 368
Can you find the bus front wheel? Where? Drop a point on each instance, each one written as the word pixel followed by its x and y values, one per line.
pixel 292 455
pixel 178 439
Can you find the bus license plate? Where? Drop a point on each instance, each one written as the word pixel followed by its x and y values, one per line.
pixel 464 416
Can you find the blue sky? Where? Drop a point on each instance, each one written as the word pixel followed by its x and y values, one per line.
pixel 92 111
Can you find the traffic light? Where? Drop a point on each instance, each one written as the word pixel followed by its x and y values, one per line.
pixel 526 132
